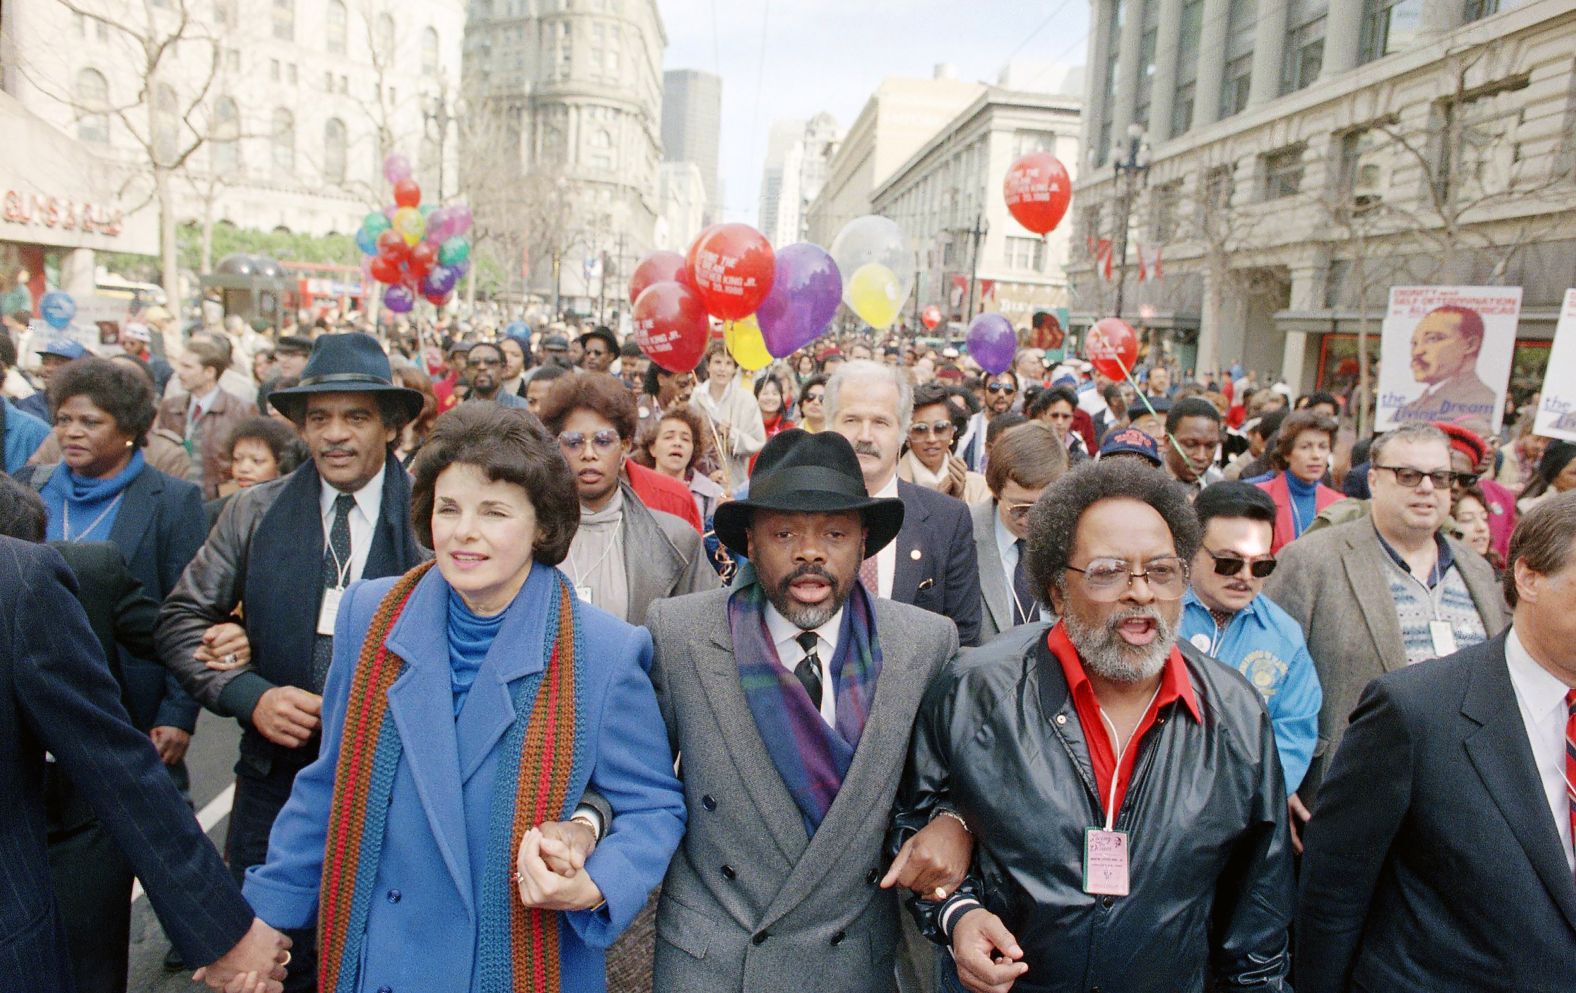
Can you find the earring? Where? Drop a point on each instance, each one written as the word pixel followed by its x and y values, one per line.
pixel 131 444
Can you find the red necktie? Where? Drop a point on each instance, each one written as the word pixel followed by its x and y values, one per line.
pixel 871 577
pixel 1570 759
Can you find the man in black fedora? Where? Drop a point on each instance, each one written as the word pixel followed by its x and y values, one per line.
pixel 790 698
pixel 287 549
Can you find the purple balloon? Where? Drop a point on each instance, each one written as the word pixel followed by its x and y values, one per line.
pixel 439 225
pixel 439 280
pixel 992 342
pixel 806 289
pixel 399 299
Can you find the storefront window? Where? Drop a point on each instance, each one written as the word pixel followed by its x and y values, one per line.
pixel 92 102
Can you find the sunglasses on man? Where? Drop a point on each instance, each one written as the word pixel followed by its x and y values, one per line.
pixel 1230 564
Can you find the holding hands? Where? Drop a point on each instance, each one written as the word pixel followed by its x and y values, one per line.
pixel 548 867
pixel 255 965
pixel 224 647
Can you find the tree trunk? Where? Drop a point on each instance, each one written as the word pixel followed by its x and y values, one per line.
pixel 206 265
pixel 169 256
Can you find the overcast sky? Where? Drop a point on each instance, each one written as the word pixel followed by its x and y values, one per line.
pixel 816 55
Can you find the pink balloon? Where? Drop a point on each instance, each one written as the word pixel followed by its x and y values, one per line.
pixel 460 219
pixel 396 168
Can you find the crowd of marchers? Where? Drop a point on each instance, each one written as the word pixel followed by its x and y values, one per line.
pixel 869 670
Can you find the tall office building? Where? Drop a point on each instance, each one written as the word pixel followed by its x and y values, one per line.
pixel 574 95
pixel 692 126
pixel 798 153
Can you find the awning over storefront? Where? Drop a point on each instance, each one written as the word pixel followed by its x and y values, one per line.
pixel 55 192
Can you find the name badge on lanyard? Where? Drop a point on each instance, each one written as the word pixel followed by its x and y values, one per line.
pixel 1443 637
pixel 1105 862
pixel 329 612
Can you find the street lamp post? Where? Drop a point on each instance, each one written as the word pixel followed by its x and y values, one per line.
pixel 437 115
pixel 1132 166
pixel 977 233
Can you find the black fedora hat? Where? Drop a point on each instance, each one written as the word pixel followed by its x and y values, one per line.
pixel 808 473
pixel 345 363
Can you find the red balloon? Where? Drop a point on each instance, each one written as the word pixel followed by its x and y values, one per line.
pixel 658 267
pixel 384 271
pixel 437 299
pixel 1111 346
pixel 689 255
pixel 1038 191
pixel 422 258
pixel 392 247
pixel 407 193
pixel 732 265
pixel 671 326
pixel 930 317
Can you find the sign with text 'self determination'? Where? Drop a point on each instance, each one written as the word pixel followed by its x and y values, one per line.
pixel 1445 355
pixel 1557 408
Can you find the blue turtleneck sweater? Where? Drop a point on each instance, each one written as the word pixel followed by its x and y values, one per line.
pixel 470 637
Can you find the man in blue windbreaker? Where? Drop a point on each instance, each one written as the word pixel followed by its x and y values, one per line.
pixel 1226 616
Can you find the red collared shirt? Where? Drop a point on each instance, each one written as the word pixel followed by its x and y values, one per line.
pixel 1174 686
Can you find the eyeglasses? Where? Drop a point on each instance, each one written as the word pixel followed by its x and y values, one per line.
pixel 484 363
pixel 812 398
pixel 1001 388
pixel 1054 416
pixel 1466 478
pixel 1019 512
pixel 574 442
pixel 936 429
pixel 1230 564
pixel 1107 579
pixel 1413 478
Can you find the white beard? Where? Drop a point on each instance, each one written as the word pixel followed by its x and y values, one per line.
pixel 1106 655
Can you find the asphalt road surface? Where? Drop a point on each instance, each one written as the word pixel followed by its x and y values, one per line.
pixel 211 762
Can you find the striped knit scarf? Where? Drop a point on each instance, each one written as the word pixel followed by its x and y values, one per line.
pixel 538 758
pixel 811 757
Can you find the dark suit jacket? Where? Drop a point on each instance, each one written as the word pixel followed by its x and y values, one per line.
pixel 937 568
pixel 1432 862
pixel 56 696
pixel 159 527
pixel 122 616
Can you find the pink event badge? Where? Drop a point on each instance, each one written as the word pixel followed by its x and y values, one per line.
pixel 1105 862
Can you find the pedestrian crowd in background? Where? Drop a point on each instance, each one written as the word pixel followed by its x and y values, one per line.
pixel 557 669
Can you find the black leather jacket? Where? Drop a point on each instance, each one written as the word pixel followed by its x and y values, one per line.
pixel 998 740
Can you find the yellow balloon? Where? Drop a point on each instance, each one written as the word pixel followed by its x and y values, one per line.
pixel 745 344
pixel 875 294
pixel 410 224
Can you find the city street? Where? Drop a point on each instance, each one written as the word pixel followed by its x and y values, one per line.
pixel 211 761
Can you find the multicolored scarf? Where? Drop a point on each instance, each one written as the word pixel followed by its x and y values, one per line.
pixel 811 757
pixel 539 757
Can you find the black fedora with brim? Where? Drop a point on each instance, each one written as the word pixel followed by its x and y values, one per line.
pixel 800 472
pixel 345 363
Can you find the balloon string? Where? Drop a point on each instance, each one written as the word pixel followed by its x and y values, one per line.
pixel 722 456
pixel 1128 373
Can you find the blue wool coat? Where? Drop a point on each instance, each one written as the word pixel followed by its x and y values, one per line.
pixel 426 901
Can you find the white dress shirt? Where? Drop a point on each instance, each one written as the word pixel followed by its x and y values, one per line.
pixel 1541 700
pixel 886 559
pixel 1007 548
pixel 785 636
pixel 369 504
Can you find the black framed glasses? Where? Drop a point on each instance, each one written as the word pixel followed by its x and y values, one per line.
pixel 933 429
pixel 1465 479
pixel 1230 564
pixel 484 363
pixel 574 442
pixel 1007 388
pixel 1413 478
pixel 1107 579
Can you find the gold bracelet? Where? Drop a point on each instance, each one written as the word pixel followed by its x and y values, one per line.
pixel 944 812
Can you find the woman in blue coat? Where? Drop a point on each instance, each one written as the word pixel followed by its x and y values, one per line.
pixel 469 705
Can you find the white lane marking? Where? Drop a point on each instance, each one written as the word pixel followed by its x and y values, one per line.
pixel 217 810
